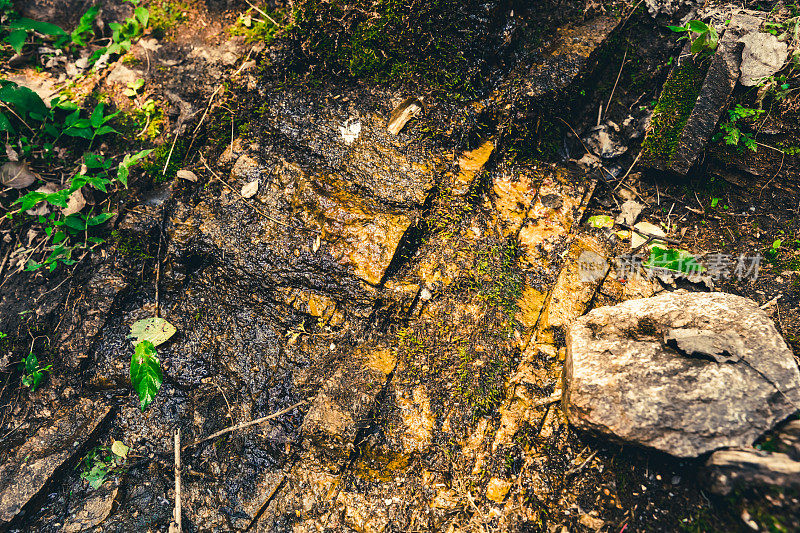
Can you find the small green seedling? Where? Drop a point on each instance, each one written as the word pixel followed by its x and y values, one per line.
pixel 102 461
pixel 134 87
pixel 145 371
pixel 32 373
pixel 706 41
pixel 772 251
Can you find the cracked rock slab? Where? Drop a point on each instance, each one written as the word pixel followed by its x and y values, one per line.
pixel 684 373
pixel 27 472
pixel 342 408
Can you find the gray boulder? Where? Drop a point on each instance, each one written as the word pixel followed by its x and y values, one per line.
pixel 684 373
pixel 763 56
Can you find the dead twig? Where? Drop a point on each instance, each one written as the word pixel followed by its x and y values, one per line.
pixel 773 177
pixel 611 97
pixel 243 425
pixel 262 13
pixel 176 526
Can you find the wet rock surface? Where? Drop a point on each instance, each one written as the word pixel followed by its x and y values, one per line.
pixel 682 373
pixel 33 465
pixel 398 289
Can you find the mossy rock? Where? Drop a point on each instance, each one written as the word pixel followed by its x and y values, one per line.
pixel 675 105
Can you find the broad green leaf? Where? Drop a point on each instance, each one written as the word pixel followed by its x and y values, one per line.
pixel 33 265
pixel 119 449
pixel 142 14
pixel 16 39
pixel 95 161
pixel 601 221
pixel 154 330
pixel 697 26
pixel 96 118
pixel 84 133
pixel 45 28
pixel 105 130
pixel 673 259
pixel 678 29
pixel 146 374
pixel 30 200
pixel 95 476
pixel 5 124
pixel 99 219
pixel 58 198
pixel 75 222
pixel 25 100
pixel 85 26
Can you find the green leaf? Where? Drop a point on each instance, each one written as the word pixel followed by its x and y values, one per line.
pixel 146 374
pixel 154 330
pixel 5 124
pixel 84 133
pixel 95 161
pixel 96 476
pixel 85 25
pixel 714 202
pixel 32 266
pixel 31 363
pixel 96 118
pixel 697 26
pixel 97 182
pixel 128 161
pixel 673 259
pixel 16 39
pixel 58 198
pixel 30 200
pixel 678 29
pixel 105 130
pixel 75 222
pixel 601 221
pixel 142 14
pixel 45 28
pixel 25 100
pixel 99 219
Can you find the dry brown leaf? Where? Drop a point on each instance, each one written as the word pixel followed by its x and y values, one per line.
pixel 16 175
pixel 250 190
pixel 187 175
pixel 75 203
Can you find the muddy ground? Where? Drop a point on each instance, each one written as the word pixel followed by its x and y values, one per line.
pixel 402 297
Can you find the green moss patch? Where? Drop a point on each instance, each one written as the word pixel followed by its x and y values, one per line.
pixel 435 43
pixel 672 111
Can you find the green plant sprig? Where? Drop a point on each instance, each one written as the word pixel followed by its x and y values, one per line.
pixel 706 37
